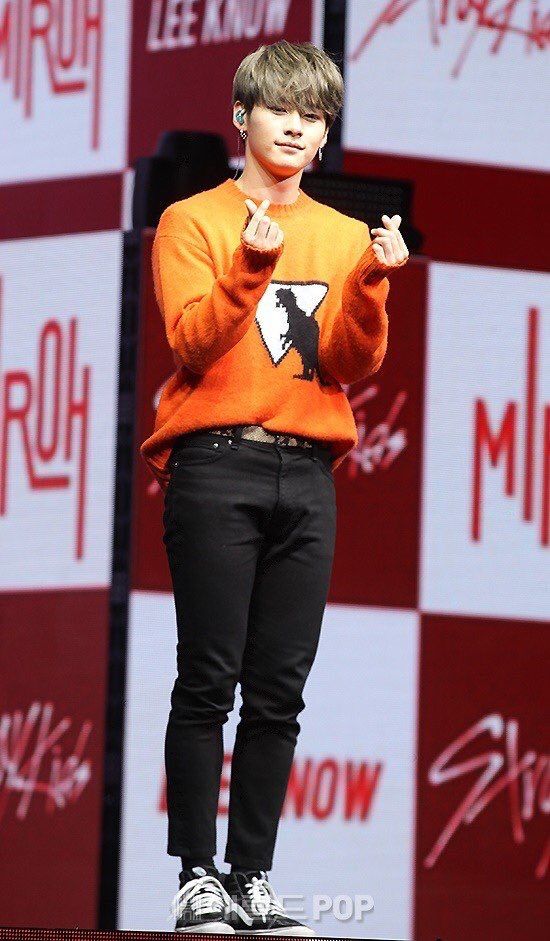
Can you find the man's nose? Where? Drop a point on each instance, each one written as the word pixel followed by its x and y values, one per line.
pixel 294 122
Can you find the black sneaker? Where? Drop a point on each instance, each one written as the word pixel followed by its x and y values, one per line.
pixel 202 903
pixel 255 908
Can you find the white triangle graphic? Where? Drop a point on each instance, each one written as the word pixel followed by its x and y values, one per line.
pixel 282 310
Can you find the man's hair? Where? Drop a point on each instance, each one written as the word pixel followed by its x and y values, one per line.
pixel 293 75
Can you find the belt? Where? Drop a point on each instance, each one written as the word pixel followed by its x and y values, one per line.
pixel 318 449
pixel 259 433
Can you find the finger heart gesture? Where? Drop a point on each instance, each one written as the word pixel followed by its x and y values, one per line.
pixel 388 244
pixel 259 230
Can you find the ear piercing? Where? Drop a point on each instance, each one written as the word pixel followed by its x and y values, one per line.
pixel 240 118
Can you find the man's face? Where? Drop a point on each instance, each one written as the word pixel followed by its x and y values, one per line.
pixel 269 129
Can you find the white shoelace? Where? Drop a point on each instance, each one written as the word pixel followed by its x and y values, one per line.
pixel 204 894
pixel 263 899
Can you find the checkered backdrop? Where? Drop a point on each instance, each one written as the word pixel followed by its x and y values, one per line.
pixel 417 796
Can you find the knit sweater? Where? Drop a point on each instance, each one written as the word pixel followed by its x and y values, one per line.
pixel 264 336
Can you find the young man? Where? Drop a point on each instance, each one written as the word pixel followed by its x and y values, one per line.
pixel 270 300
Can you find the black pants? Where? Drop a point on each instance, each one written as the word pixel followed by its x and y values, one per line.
pixel 249 530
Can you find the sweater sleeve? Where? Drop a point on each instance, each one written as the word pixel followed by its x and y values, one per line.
pixel 205 316
pixel 354 344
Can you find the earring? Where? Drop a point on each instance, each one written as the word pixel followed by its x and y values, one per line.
pixel 244 134
pixel 320 153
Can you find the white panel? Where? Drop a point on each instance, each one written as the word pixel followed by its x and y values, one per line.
pixel 59 305
pixel 360 717
pixel 317 22
pixel 69 119
pixel 478 327
pixel 419 88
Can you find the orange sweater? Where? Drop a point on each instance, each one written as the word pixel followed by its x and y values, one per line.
pixel 264 337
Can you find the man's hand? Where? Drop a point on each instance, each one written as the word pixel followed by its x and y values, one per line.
pixel 388 246
pixel 260 231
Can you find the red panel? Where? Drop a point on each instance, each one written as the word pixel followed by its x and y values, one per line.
pixel 53 662
pixel 471 214
pixel 378 485
pixel 483 751
pixel 155 364
pixel 54 207
pixel 171 70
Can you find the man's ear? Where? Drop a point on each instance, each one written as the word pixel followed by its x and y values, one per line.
pixel 236 108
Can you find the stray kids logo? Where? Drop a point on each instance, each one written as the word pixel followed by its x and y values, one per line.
pixel 523 20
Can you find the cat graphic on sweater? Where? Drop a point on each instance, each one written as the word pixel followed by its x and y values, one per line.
pixel 285 318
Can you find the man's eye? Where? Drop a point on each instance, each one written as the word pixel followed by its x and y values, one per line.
pixel 309 115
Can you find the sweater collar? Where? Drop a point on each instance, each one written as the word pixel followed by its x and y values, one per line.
pixel 230 188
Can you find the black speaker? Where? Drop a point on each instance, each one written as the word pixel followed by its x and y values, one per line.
pixel 185 162
pixel 367 198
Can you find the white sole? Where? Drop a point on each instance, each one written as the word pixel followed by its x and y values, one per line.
pixel 215 927
pixel 287 932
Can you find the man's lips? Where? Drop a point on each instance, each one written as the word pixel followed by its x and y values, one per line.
pixel 294 146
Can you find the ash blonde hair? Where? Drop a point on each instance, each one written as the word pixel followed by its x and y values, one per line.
pixel 288 75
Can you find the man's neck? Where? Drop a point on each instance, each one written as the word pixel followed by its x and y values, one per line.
pixel 283 192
